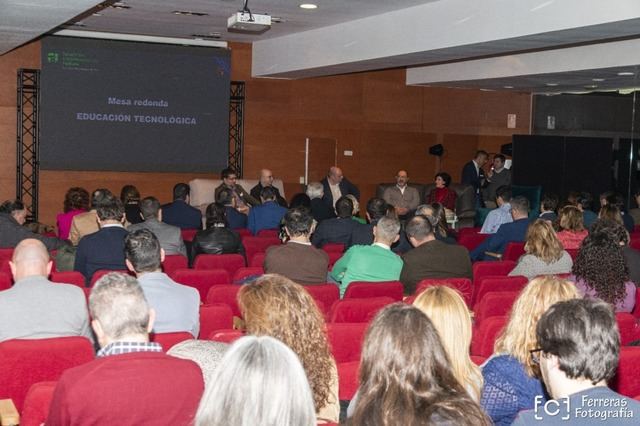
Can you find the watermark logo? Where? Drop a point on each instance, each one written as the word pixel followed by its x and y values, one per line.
pixel 53 57
pixel 553 408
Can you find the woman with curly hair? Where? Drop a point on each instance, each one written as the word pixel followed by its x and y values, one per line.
pixel 572 230
pixel 511 377
pixel 600 271
pixel 406 376
pixel 544 254
pixel 275 306
pixel 442 193
pixel 76 201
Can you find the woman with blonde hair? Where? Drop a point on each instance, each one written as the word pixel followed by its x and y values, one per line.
pixel 275 306
pixel 572 230
pixel 544 254
pixel 511 376
pixel 449 314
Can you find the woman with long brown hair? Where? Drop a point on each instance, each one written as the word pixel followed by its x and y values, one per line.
pixel 572 230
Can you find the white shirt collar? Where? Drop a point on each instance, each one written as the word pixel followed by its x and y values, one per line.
pixel 304 243
pixel 112 225
pixel 384 246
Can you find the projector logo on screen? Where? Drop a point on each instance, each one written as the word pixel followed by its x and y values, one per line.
pixel 247 22
pixel 53 57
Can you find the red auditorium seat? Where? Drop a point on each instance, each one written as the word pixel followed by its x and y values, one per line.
pixel 173 262
pixel 227 294
pixel 478 360
pixel 363 290
pixel 334 256
pixel 5 281
pixel 636 307
pixel 627 379
pixel 226 336
pixel 213 318
pixel 463 285
pixel 246 272
pixel 348 379
pixel 333 248
pixel 257 261
pixel 471 240
pixel 5 256
pixel 573 253
pixel 201 279
pixel 489 284
pixel 188 234
pixel 513 251
pixel 628 326
pixel 268 233
pixel 230 262
pixel 36 404
pixel 326 294
pixel 485 335
pixel 102 272
pixel 25 362
pixel 253 245
pixel 168 340
pixel 346 340
pixel 357 310
pixel 635 243
pixel 243 232
pixel 69 277
pixel 494 305
pixel 498 268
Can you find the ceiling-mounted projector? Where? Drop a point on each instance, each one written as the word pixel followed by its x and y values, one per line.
pixel 247 22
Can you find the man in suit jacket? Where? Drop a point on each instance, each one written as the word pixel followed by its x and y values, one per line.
pixel 266 179
pixel 87 223
pixel 103 249
pixel 339 229
pixel 336 185
pixel 13 215
pixel 169 236
pixel 243 199
pixel 235 219
pixel 180 213
pixel 431 258
pixel 402 197
pixel 472 174
pixel 493 247
pixel 268 215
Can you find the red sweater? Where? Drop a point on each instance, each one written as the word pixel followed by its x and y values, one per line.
pixel 142 388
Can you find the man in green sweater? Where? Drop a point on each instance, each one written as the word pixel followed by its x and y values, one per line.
pixel 371 263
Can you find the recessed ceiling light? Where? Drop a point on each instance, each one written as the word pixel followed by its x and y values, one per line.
pixel 120 5
pixel 486 90
pixel 625 73
pixel 551 84
pixel 597 79
pixel 508 87
pixel 308 6
pixel 189 13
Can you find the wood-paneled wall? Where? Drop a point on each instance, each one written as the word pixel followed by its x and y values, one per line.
pixel 386 124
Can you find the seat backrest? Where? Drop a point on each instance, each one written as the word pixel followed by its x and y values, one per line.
pixel 494 284
pixel 5 281
pixel 636 308
pixel 253 245
pixel 102 272
pixel 69 277
pixel 484 268
pixel 230 262
pixel 345 340
pixel 201 279
pixel 513 251
pixel 357 310
pixel 246 272
pixel 24 362
pixel 36 404
pixel 257 260
pixel 573 253
pixel 6 253
pixel 627 379
pixel 628 326
pixel 213 318
pixel 484 336
pixel 334 256
pixel 225 336
pixel 173 262
pixel 168 340
pixel 188 234
pixel 326 294
pixel 227 294
pixel 362 290
pixel 463 285
pixel 333 247
pixel 471 240
pixel 494 305
pixel 268 233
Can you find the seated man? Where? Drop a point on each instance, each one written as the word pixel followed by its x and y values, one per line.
pixel 549 205
pixel 235 219
pixel 169 236
pixel 176 305
pixel 501 215
pixel 179 213
pixel 493 247
pixel 266 179
pixel 103 249
pixel 339 229
pixel 371 263
pixel 584 204
pixel 13 215
pixel 431 258
pixel 36 308
pixel 243 200
pixel 131 382
pixel 87 223
pixel 298 260
pixel 335 186
pixel 578 351
pixel 402 197
pixel 363 235
pixel 267 215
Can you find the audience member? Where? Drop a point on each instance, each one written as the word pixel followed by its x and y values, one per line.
pixel 372 263
pixel 450 316
pixel 584 202
pixel 435 212
pixel 131 382
pixel 235 219
pixel 260 382
pixel 76 201
pixel 87 223
pixel 363 235
pixel 266 180
pixel 243 199
pixel 605 197
pixel 635 212
pixel 355 215
pixel 611 212
pixel 179 213
pixel 402 197
pixel 335 185
pixel 406 377
pixel 511 382
pixel 497 177
pixel 431 258
pixel 544 254
pixel 298 259
pixel 572 230
pixel 13 215
pixel 267 215
pixel 600 271
pixel 501 215
pixel 493 247
pixel 300 200
pixel 631 256
pixel 578 351
pixel 130 197
pixel 619 201
pixel 36 308
pixel 473 174
pixel 103 249
pixel 176 305
pixel 206 353
pixel 216 238
pixel 319 209
pixel 276 306
pixel 170 236
pixel 549 205
pixel 573 198
pixel 339 229
pixel 442 193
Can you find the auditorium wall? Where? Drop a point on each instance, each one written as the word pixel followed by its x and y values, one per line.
pixel 386 125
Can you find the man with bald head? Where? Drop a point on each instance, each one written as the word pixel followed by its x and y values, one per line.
pixel 336 186
pixel 266 179
pixel 36 308
pixel 402 197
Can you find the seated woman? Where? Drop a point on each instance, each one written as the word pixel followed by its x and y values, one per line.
pixel 76 201
pixel 544 254
pixel 275 306
pixel 511 377
pixel 406 377
pixel 572 230
pixel 600 271
pixel 442 193
pixel 610 212
pixel 356 209
pixel 435 212
pixel 130 197
pixel 260 382
pixel 450 316
pixel 216 238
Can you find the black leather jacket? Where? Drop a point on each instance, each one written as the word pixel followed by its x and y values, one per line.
pixel 216 241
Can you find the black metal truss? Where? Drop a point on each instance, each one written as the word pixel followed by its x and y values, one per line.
pixel 28 140
pixel 236 126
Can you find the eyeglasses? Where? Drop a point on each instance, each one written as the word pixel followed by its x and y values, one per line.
pixel 535 355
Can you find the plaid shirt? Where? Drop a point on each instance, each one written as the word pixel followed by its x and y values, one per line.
pixel 118 348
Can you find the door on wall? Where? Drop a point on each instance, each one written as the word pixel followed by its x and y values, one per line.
pixel 320 154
